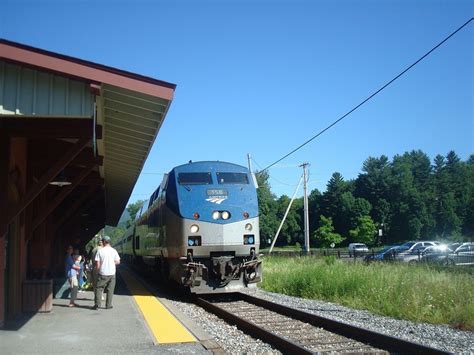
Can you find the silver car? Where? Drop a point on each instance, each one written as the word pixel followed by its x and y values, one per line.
pixel 412 251
pixel 357 249
pixel 463 255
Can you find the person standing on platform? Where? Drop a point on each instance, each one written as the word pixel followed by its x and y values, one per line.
pixel 71 274
pixel 94 268
pixel 105 260
pixel 80 273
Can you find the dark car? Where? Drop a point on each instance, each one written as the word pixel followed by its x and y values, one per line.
pixel 437 254
pixel 386 254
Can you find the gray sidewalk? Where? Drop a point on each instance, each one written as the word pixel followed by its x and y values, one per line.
pixel 76 330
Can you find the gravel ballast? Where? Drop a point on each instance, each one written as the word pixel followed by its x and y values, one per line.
pixel 229 337
pixel 234 341
pixel 441 337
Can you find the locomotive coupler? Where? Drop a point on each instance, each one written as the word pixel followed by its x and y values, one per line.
pixel 252 271
pixel 223 267
pixel 193 273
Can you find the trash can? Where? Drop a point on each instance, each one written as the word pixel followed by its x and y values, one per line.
pixel 37 295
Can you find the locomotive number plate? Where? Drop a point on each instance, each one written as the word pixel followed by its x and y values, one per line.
pixel 217 192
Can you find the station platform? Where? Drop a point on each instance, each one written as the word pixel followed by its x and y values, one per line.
pixel 138 323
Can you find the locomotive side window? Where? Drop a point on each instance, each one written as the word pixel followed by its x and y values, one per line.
pixel 194 178
pixel 232 178
pixel 141 210
pixel 154 197
pixel 163 186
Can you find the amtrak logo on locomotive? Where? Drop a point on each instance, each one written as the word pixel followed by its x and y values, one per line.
pixel 217 195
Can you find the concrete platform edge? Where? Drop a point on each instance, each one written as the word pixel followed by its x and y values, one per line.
pixel 206 340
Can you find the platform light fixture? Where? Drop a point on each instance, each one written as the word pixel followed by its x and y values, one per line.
pixel 60 180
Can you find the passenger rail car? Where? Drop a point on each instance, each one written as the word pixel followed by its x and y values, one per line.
pixel 200 228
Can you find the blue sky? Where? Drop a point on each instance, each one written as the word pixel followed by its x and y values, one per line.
pixel 261 77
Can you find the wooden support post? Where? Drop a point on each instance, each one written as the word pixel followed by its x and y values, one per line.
pixel 36 189
pixel 4 166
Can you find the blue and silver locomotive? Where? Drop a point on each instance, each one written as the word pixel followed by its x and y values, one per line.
pixel 200 228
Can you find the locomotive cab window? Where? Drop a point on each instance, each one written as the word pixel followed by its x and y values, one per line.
pixel 194 178
pixel 233 178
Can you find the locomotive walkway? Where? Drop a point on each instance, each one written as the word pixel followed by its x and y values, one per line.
pixel 138 323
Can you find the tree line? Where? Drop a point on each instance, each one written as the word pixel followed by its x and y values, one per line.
pixel 390 201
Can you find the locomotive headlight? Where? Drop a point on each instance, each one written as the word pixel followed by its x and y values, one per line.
pixel 246 215
pixel 225 215
pixel 249 239
pixel 248 227
pixel 194 228
pixel 196 215
pixel 216 215
pixel 194 241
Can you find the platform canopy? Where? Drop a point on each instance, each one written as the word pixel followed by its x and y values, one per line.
pixel 109 116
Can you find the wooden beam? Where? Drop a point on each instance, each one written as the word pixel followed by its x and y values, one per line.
pixel 43 156
pixel 48 127
pixel 77 204
pixel 93 180
pixel 82 160
pixel 62 195
pixel 43 182
pixel 98 160
pixel 4 166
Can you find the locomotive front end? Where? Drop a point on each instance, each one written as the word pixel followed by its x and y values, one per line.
pixel 219 228
pixel 224 256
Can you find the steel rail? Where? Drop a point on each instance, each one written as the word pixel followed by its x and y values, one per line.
pixel 383 341
pixel 282 344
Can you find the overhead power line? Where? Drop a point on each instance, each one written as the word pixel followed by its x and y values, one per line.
pixel 370 97
pixel 274 178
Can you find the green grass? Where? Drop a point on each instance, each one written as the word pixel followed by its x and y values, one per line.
pixel 297 248
pixel 417 293
pixel 282 248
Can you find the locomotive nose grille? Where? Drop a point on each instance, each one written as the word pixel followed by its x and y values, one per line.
pixel 218 254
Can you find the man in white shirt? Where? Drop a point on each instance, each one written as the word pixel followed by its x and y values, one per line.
pixel 105 261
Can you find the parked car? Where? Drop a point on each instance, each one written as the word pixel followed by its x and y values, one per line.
pixel 463 255
pixel 436 254
pixel 411 251
pixel 454 246
pixel 386 254
pixel 357 249
pixel 416 245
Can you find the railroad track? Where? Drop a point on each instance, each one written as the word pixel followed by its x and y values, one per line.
pixel 296 332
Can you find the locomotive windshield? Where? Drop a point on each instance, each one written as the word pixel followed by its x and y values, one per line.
pixel 194 178
pixel 232 178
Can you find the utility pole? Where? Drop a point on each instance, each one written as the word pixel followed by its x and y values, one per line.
pixel 284 217
pixel 249 162
pixel 254 177
pixel 306 212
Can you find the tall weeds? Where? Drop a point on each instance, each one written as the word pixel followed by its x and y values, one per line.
pixel 417 293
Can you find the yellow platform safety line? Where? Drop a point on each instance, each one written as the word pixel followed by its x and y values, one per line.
pixel 164 326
